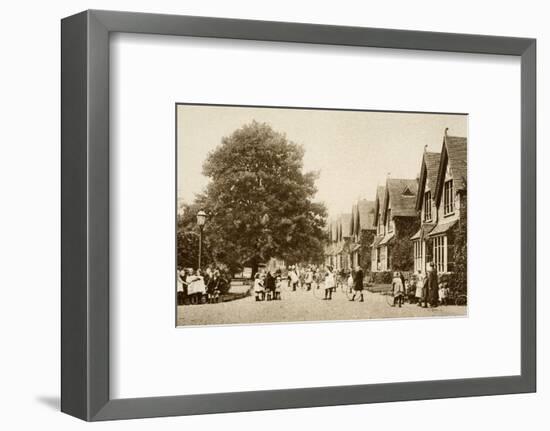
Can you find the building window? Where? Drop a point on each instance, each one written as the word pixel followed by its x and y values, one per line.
pixel 448 199
pixel 390 226
pixel 440 253
pixel 383 265
pixel 428 206
pixel 417 256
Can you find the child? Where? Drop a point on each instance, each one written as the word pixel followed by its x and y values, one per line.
pixel 357 283
pixel 410 288
pixel 443 293
pixel 398 290
pixel 330 283
pixel 181 286
pixel 317 278
pixel 309 278
pixel 278 287
pixel 419 294
pixel 294 279
pixel 195 286
pixel 258 287
pixel 349 282
pixel 213 287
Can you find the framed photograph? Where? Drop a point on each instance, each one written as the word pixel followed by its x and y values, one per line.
pixel 267 215
pixel 251 232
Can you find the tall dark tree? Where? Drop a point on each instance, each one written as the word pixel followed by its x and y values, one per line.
pixel 259 200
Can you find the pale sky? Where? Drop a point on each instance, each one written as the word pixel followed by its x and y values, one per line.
pixel 354 151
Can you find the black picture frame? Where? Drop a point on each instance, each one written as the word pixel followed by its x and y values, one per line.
pixel 85 214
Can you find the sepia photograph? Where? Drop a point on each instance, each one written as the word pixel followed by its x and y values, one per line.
pixel 304 214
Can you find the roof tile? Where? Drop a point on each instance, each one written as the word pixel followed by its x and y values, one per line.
pixel 365 211
pixel 402 196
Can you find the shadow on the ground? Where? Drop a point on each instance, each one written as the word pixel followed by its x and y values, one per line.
pixel 50 401
pixel 234 296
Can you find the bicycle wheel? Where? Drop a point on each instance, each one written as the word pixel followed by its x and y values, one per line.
pixel 349 292
pixel 461 300
pixel 318 290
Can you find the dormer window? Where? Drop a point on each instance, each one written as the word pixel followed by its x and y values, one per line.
pixel 407 192
pixel 428 206
pixel 448 198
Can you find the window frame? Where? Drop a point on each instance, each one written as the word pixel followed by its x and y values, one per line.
pixel 428 206
pixel 448 198
pixel 440 253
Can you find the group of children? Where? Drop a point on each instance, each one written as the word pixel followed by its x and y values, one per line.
pixel 420 289
pixel 267 286
pixel 309 277
pixel 201 284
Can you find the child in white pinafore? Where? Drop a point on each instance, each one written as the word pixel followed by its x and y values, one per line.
pixel 278 287
pixel 350 282
pixel 330 283
pixel 259 287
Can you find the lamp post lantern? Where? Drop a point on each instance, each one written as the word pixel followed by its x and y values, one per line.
pixel 201 220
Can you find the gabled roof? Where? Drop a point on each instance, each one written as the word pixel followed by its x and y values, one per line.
pixel 429 169
pixel 345 222
pixel 332 229
pixel 402 195
pixel 454 152
pixel 365 214
pixel 379 202
pixel 337 227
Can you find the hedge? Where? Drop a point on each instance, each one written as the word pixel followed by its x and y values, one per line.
pixel 382 277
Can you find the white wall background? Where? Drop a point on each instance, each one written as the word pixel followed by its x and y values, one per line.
pixel 29 216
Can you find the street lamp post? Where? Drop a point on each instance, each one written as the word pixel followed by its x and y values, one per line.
pixel 201 220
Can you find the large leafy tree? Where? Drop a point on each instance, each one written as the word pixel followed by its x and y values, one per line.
pixel 259 200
